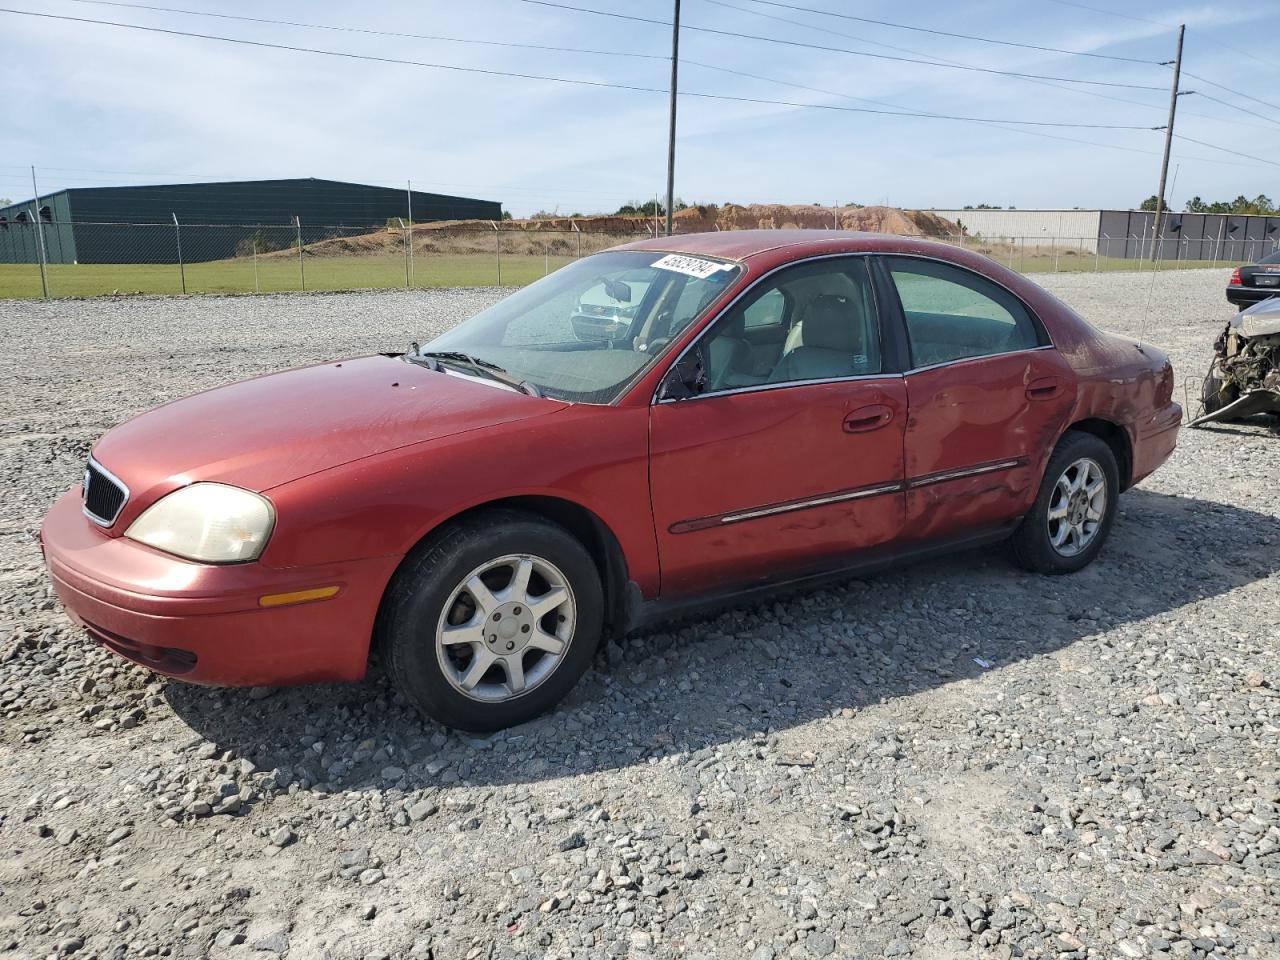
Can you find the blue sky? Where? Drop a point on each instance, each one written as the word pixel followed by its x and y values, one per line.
pixel 91 105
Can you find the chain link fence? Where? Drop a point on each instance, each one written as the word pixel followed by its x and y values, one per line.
pixel 53 258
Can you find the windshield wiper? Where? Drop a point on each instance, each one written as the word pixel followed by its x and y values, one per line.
pixel 431 359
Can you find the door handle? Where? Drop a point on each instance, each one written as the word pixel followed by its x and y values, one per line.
pixel 866 419
pixel 1046 388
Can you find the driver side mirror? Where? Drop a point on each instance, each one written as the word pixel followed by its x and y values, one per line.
pixel 687 376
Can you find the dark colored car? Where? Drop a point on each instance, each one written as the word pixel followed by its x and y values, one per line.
pixel 783 406
pixel 1254 282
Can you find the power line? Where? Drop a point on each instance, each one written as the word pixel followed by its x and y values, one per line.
pixel 827 49
pixel 905 111
pixel 885 103
pixel 1237 153
pixel 958 36
pixel 1227 103
pixel 371 32
pixel 1238 93
pixel 525 46
pixel 611 53
pixel 334 53
pixel 1159 23
pixel 568 80
pixel 1056 86
pixel 828 31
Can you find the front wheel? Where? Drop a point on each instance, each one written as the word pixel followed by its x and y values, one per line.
pixel 492 621
pixel 1073 512
pixel 1216 393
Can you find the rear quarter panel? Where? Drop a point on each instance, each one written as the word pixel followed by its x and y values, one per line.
pixel 1128 384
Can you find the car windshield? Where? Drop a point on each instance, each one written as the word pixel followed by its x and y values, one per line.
pixel 588 330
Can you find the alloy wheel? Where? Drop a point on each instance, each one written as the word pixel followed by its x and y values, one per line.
pixel 1077 507
pixel 506 628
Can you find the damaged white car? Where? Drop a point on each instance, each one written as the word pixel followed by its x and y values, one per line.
pixel 1244 379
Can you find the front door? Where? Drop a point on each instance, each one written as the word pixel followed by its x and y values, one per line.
pixel 793 453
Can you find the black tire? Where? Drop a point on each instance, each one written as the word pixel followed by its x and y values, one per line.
pixel 414 606
pixel 1215 394
pixel 1031 545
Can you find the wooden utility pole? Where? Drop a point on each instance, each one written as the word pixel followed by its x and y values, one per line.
pixel 671 133
pixel 1168 143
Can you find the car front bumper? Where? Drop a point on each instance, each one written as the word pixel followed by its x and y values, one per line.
pixel 203 622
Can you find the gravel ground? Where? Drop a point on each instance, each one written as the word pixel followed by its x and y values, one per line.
pixel 958 759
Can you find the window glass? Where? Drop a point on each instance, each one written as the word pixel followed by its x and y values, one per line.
pixel 952 313
pixel 589 329
pixel 766 311
pixel 814 321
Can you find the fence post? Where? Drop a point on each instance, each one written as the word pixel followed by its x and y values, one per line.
pixel 409 196
pixel 254 241
pixel 1097 254
pixel 177 233
pixel 1057 241
pixel 546 259
pixel 302 270
pixel 35 209
pixel 497 248
pixel 405 235
pixel 574 224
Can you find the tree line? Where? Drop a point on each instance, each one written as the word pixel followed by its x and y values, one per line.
pixel 1259 206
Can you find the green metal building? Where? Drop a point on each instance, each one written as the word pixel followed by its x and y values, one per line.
pixel 217 220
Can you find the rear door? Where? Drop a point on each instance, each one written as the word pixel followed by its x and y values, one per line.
pixel 792 455
pixel 988 397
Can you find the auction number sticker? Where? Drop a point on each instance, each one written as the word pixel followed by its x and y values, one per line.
pixel 691 266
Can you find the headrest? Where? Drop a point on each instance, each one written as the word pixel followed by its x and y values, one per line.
pixel 830 323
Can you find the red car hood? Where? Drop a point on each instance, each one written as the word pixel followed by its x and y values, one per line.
pixel 267 431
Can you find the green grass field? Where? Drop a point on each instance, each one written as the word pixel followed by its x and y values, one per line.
pixel 274 274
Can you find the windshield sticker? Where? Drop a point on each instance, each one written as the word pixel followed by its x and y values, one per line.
pixel 691 266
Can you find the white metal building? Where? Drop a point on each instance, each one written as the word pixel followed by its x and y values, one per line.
pixel 1032 228
pixel 1125 233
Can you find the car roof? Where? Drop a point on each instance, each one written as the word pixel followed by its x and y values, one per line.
pixel 744 244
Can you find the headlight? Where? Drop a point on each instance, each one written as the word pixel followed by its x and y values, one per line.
pixel 211 522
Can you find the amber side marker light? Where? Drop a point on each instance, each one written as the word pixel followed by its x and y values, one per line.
pixel 297 596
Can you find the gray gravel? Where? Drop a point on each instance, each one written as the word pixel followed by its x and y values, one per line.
pixel 954 760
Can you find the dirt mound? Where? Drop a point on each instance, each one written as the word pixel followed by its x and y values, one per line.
pixel 776 216
pixel 731 216
pixel 579 235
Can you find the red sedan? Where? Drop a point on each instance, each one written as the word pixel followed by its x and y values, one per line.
pixel 664 424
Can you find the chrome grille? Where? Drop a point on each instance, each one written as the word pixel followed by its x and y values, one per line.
pixel 104 495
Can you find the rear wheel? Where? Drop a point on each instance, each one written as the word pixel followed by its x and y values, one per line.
pixel 1072 514
pixel 492 621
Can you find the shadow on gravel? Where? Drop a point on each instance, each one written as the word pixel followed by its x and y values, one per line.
pixel 1263 425
pixel 698 684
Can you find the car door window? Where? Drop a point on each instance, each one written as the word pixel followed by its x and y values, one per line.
pixel 814 321
pixel 768 310
pixel 952 313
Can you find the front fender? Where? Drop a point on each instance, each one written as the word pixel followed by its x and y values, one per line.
pixel 593 456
